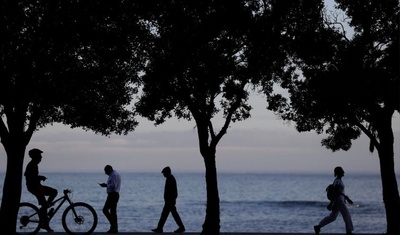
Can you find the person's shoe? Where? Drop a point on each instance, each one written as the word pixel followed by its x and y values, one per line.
pixel 157 230
pixel 47 228
pixel 317 229
pixel 180 230
pixel 113 230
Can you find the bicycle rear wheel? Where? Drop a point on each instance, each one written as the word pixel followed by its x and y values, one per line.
pixel 28 219
pixel 79 218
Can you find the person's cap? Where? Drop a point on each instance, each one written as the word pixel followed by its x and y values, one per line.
pixel 166 170
pixel 35 152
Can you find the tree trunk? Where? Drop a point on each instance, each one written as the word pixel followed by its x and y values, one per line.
pixel 390 192
pixel 390 189
pixel 212 221
pixel 12 185
pixel 208 150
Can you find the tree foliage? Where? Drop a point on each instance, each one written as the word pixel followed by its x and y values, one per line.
pixel 349 82
pixel 194 58
pixel 62 61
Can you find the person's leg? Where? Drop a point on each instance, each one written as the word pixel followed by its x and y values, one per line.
pixel 113 210
pixel 347 218
pixel 178 220
pixel 43 209
pixel 163 219
pixel 106 209
pixel 164 215
pixel 328 219
pixel 110 211
pixel 176 216
pixel 44 221
pixel 50 192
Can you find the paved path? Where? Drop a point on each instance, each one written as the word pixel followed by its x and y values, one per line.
pixel 191 233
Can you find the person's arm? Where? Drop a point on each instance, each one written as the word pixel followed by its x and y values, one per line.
pixel 32 174
pixel 170 189
pixel 42 178
pixel 348 199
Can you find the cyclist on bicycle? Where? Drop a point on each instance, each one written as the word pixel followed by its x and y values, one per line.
pixel 34 186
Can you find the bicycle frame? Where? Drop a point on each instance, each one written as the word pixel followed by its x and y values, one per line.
pixel 62 199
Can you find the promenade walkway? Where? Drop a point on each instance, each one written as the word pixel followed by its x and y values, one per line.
pixel 192 233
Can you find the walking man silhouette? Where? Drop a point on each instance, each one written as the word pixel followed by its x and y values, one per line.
pixel 34 186
pixel 110 206
pixel 170 195
pixel 338 205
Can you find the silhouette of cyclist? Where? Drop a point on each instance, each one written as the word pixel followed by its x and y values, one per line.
pixel 34 186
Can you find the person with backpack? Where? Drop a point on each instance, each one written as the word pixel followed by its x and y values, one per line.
pixel 338 198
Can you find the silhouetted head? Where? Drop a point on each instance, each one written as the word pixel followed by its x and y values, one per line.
pixel 35 154
pixel 339 171
pixel 108 169
pixel 166 171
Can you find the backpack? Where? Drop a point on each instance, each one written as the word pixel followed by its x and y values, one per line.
pixel 330 192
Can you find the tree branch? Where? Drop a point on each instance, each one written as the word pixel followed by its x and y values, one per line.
pixel 35 116
pixel 369 134
pixel 336 21
pixel 228 118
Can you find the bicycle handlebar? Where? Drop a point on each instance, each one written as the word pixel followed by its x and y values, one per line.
pixel 66 191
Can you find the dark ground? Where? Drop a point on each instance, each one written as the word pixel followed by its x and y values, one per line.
pixel 191 233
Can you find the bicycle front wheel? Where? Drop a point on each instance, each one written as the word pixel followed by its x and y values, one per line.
pixel 28 219
pixel 79 218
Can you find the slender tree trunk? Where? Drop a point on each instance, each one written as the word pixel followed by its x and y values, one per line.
pixel 212 221
pixel 208 150
pixel 12 185
pixel 388 176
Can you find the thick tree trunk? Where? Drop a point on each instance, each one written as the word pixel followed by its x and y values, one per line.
pixel 390 194
pixel 390 189
pixel 212 221
pixel 12 186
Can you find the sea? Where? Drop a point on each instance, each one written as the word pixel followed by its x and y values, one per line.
pixel 249 202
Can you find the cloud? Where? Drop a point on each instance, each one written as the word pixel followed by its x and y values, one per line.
pixel 260 144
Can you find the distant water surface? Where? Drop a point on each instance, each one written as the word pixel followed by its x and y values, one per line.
pixel 249 202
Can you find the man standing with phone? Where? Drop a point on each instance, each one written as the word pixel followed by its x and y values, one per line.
pixel 110 206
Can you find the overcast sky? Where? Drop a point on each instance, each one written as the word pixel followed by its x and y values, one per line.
pixel 262 143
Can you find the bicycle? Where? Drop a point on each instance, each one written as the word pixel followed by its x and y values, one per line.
pixel 78 218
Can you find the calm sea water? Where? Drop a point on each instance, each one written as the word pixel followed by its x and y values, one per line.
pixel 249 202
